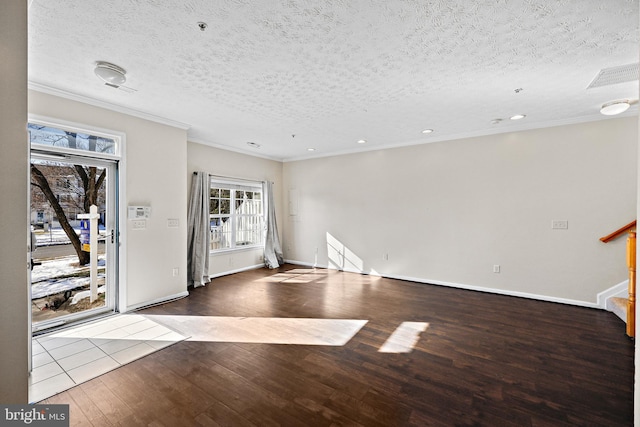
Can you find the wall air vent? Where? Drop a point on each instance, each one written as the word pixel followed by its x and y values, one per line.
pixel 615 75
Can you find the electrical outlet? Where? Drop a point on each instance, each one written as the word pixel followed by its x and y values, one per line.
pixel 496 268
pixel 139 224
pixel 175 272
pixel 560 224
pixel 173 222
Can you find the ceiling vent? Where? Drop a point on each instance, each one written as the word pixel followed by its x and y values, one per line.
pixel 615 75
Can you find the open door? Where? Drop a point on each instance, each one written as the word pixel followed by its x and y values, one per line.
pixel 63 187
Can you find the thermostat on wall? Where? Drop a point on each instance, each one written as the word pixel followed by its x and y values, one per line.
pixel 139 212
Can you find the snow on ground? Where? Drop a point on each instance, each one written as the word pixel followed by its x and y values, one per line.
pixel 46 288
pixel 43 277
pixel 46 279
pixel 59 267
pixel 85 294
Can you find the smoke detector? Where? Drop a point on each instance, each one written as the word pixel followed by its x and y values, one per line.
pixel 111 74
pixel 615 107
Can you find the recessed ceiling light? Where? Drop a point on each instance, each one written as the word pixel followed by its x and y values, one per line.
pixel 253 144
pixel 517 117
pixel 426 131
pixel 362 141
pixel 496 121
pixel 615 107
pixel 311 149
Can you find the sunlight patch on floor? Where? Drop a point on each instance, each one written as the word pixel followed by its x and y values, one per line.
pixel 263 330
pixel 404 338
pixel 297 275
pixel 121 327
pixel 63 359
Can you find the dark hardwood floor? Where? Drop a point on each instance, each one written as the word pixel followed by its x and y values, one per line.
pixel 484 359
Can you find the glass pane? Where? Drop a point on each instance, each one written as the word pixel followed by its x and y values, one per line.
pixel 215 192
pixel 225 193
pixel 220 233
pixel 257 195
pixel 250 195
pixel 238 204
pixel 239 194
pixel 214 206
pixel 60 278
pixel 225 206
pixel 55 137
pixel 249 230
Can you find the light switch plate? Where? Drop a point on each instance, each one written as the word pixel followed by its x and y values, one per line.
pixel 560 224
pixel 139 224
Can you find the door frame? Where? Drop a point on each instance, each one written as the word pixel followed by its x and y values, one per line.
pixel 111 253
pixel 120 247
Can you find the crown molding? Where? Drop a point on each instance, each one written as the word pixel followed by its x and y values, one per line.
pixel 233 149
pixel 458 136
pixel 106 105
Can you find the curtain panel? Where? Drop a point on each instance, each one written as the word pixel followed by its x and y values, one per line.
pixel 198 242
pixel 272 250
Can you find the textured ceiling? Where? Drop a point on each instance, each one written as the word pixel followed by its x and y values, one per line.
pixel 332 72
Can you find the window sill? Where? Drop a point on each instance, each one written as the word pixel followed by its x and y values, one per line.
pixel 236 249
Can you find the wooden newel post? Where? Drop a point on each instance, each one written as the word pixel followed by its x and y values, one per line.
pixel 631 304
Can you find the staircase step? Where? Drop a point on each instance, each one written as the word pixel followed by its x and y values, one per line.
pixel 618 306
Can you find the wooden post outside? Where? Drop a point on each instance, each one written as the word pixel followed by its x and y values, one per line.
pixel 631 304
pixel 93 217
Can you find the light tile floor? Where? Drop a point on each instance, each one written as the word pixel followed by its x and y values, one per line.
pixel 64 359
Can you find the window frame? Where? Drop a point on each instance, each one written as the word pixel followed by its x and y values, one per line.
pixel 234 186
pixel 118 138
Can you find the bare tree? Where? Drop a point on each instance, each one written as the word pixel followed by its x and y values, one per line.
pixel 91 183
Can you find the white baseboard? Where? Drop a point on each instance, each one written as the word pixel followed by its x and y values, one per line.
pixel 620 290
pixel 332 267
pixel 156 301
pixel 463 286
pixel 239 270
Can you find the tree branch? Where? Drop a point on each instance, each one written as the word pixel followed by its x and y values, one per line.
pixel 43 184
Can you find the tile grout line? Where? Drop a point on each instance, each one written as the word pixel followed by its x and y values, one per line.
pixel 56 362
pixel 94 345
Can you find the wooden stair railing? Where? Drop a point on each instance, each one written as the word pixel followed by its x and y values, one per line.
pixel 631 264
pixel 618 232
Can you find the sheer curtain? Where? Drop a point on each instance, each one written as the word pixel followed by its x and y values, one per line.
pixel 198 231
pixel 272 250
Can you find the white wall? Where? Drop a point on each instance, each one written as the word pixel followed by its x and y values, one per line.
pixel 155 176
pixel 14 325
pixel 448 212
pixel 235 165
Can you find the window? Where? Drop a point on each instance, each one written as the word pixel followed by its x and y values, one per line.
pixel 236 215
pixel 58 139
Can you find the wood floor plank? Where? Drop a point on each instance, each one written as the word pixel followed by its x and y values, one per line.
pixel 483 360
